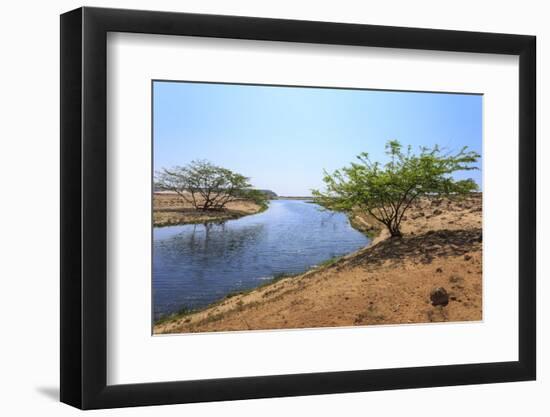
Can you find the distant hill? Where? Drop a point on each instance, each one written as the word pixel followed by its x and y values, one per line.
pixel 270 194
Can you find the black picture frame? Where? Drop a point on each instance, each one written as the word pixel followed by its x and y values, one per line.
pixel 84 207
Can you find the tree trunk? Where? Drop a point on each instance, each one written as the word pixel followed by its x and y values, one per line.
pixel 395 232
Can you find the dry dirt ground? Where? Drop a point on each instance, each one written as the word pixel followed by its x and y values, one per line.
pixel 169 209
pixel 388 282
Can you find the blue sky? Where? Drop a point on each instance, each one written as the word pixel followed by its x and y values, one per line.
pixel 283 137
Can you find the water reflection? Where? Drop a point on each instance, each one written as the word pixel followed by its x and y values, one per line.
pixel 195 265
pixel 206 241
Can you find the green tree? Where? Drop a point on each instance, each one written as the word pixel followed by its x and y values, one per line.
pixel 206 186
pixel 386 191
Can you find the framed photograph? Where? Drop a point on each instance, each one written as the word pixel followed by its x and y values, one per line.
pixel 259 208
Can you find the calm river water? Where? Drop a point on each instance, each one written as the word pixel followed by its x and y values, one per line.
pixel 195 265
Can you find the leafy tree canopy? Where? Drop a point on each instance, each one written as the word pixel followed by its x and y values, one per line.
pixel 207 186
pixel 386 191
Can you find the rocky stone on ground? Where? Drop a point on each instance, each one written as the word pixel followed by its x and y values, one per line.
pixel 439 297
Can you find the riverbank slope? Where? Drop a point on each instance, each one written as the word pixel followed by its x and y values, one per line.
pixel 169 209
pixel 388 282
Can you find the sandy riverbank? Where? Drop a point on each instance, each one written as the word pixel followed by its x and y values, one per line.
pixel 388 282
pixel 169 210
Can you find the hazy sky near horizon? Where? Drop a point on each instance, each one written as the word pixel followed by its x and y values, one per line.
pixel 284 137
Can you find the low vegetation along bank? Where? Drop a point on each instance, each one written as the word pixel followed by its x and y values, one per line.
pixel 432 274
pixel 169 209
